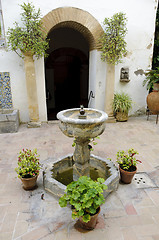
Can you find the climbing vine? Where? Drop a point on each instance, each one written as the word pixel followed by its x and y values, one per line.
pixel 113 44
pixel 30 36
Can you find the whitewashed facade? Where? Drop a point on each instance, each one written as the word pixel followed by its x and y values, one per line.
pixel 141 15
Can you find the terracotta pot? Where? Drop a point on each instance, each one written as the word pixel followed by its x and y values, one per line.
pixel 29 183
pixel 153 102
pixel 121 116
pixel 125 176
pixel 92 223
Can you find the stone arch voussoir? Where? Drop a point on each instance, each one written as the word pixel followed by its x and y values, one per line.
pixel 77 19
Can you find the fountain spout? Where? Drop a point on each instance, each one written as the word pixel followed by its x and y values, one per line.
pixel 82 114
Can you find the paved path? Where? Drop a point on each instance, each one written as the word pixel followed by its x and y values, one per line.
pixel 130 213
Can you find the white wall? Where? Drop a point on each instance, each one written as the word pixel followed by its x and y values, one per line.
pixel 141 26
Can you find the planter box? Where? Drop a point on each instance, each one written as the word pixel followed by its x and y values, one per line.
pixel 9 120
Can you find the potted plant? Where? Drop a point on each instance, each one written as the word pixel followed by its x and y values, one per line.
pixel 85 196
pixel 28 168
pixel 127 164
pixel 122 103
pixel 152 81
pixel 152 77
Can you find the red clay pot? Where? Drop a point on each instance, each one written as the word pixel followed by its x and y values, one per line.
pixel 29 183
pixel 121 116
pixel 153 101
pixel 125 176
pixel 92 223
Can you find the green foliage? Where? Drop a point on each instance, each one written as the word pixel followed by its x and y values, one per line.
pixel 126 161
pixel 29 37
pixel 28 164
pixel 112 42
pixel 122 102
pixel 92 140
pixel 152 76
pixel 85 195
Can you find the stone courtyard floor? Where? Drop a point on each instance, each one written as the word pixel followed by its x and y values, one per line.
pixel 130 213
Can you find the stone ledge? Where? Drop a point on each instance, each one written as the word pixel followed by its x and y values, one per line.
pixel 9 120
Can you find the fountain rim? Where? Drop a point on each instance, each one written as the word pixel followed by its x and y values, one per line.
pixel 101 119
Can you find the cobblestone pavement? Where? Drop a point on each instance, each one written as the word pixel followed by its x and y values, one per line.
pixel 130 213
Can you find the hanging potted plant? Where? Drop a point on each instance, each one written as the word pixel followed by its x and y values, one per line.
pixel 85 196
pixel 122 103
pixel 127 164
pixel 28 168
pixel 152 82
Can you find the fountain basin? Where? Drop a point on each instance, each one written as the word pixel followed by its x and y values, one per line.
pixel 60 173
pixel 72 126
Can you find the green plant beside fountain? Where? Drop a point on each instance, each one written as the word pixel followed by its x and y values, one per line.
pixel 85 196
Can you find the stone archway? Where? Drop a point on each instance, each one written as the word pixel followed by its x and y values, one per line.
pixel 83 22
pixel 78 19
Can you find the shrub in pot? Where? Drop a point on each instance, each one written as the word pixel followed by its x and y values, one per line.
pixel 127 164
pixel 85 196
pixel 122 103
pixel 28 168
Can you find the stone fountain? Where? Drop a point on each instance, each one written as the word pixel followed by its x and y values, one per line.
pixel 83 125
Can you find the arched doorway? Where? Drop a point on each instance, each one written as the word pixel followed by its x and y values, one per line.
pixel 88 27
pixel 66 70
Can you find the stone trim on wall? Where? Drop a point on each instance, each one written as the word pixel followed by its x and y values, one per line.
pixel 78 19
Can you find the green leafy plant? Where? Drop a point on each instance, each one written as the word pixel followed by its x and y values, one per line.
pixel 85 195
pixel 128 161
pixel 28 164
pixel 152 76
pixel 30 37
pixel 122 102
pixel 113 45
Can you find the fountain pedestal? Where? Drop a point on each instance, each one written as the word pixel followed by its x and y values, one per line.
pixel 81 158
pixel 82 124
pixel 60 173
